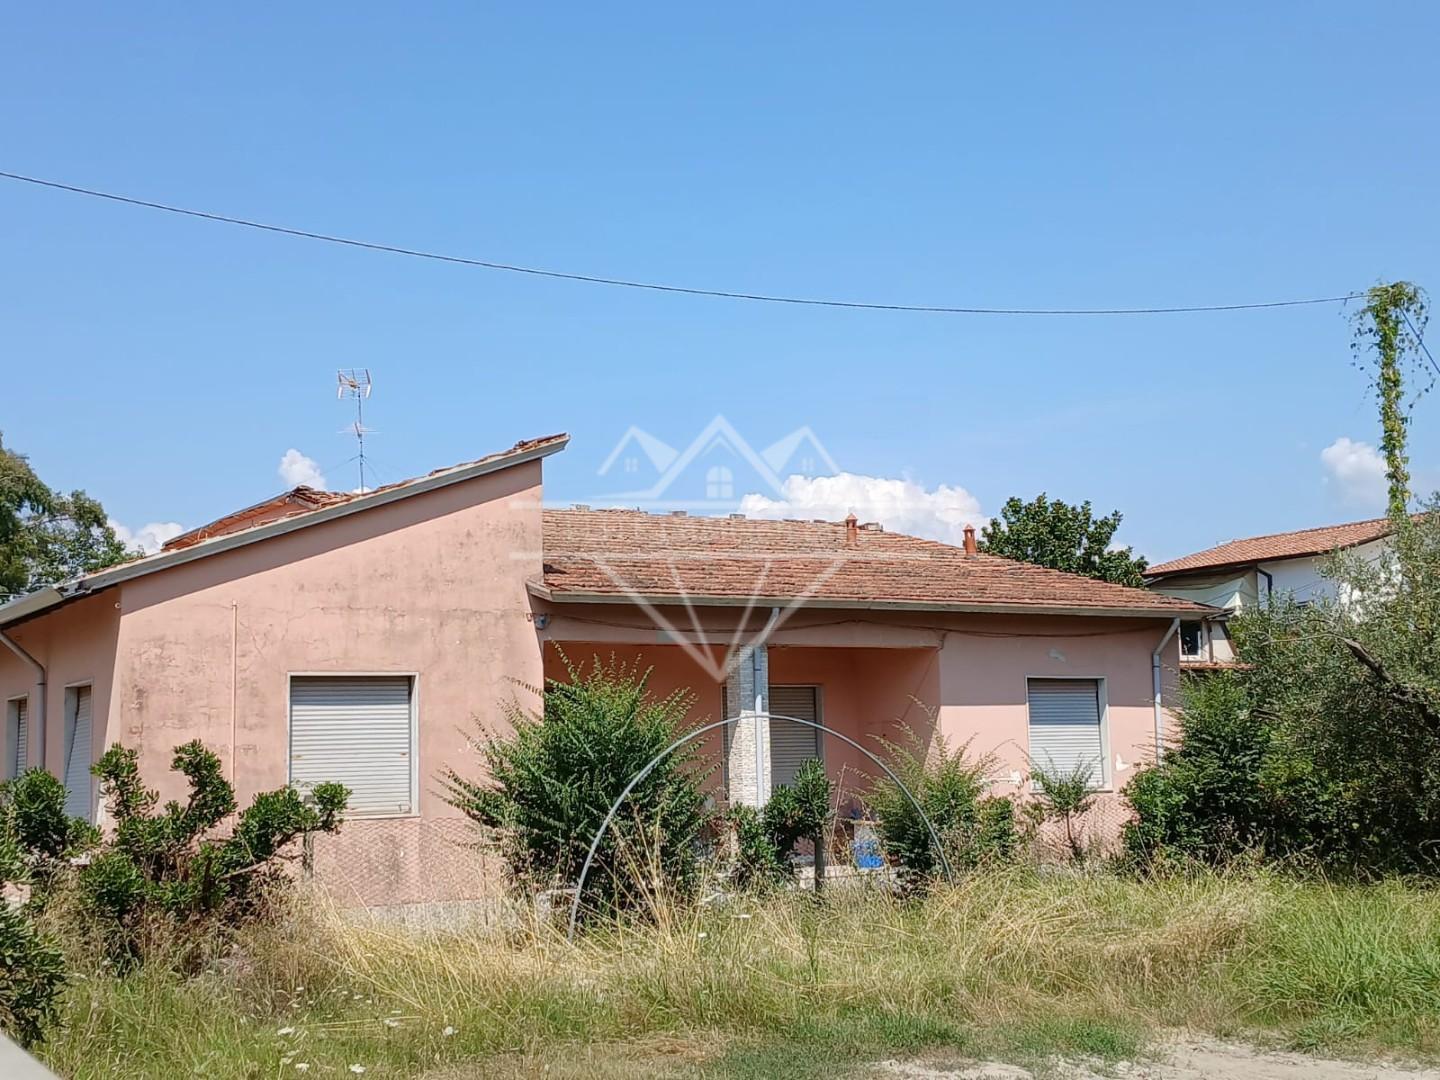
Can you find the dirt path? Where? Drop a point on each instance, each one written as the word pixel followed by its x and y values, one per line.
pixel 1181 1059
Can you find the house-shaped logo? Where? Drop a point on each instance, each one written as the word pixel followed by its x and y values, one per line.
pixel 713 472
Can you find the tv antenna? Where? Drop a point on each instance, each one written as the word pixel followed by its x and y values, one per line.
pixel 355 383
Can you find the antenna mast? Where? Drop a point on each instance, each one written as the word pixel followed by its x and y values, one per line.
pixel 355 383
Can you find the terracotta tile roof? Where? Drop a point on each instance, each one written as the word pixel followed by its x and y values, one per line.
pixel 1286 545
pixel 300 500
pixel 304 500
pixel 624 553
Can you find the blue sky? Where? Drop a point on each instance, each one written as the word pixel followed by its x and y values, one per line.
pixel 1059 155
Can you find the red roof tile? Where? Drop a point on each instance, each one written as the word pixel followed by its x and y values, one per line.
pixel 300 500
pixel 627 553
pixel 1287 545
pixel 304 500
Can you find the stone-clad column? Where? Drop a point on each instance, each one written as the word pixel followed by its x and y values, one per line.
pixel 747 695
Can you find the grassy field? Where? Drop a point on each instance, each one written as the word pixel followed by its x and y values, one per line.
pixel 1015 965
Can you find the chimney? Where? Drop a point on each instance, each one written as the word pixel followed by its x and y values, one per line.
pixel 852 529
pixel 970 547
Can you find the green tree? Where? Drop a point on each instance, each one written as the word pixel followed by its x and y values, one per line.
pixel 1326 747
pixel 47 536
pixel 1056 534
pixel 1391 323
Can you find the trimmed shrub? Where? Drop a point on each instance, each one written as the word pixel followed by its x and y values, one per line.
pixel 554 776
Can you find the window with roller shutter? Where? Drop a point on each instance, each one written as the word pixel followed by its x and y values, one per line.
pixel 791 744
pixel 17 735
pixel 1067 725
pixel 78 801
pixel 356 730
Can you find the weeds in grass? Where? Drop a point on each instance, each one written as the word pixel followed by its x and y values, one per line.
pixel 1013 963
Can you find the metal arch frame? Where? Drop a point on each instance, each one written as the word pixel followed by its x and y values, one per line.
pixel 691 735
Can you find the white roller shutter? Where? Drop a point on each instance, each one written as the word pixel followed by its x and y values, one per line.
pixel 1065 725
pixel 77 753
pixel 22 735
pixel 356 731
pixel 791 745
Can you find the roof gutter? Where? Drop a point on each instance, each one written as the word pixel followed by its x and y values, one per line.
pixel 1155 678
pixel 40 687
pixel 43 599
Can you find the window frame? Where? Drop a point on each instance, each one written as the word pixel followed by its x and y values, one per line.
pixel 1106 780
pixel 820 740
pixel 414 677
pixel 821 743
pixel 12 733
pixel 1202 641
pixel 67 735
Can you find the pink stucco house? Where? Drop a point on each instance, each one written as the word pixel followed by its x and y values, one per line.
pixel 359 637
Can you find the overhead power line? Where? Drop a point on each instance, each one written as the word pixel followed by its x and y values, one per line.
pixel 591 279
pixel 1419 340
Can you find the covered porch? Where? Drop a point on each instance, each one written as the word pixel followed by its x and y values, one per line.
pixel 870 691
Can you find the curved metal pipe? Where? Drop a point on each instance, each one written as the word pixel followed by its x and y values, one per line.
pixel 687 737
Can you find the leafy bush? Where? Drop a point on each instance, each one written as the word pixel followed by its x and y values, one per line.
pixel 47 838
pixel 765 839
pixel 155 867
pixel 31 976
pixel 31 968
pixel 554 776
pixel 1326 749
pixel 1207 800
pixel 973 827
pixel 159 863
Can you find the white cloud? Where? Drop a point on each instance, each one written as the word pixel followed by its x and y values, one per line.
pixel 1355 470
pixel 148 538
pixel 899 505
pixel 296 470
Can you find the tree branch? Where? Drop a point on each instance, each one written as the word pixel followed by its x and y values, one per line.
pixel 1399 692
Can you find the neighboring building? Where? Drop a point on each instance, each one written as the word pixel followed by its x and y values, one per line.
pixel 360 637
pixel 1242 573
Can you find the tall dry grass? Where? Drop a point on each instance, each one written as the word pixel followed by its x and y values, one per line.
pixel 1014 962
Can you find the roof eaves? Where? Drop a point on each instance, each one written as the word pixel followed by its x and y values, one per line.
pixel 33 603
pixel 1159 573
pixel 1168 611
pixel 1152 575
pixel 30 603
pixel 1381 529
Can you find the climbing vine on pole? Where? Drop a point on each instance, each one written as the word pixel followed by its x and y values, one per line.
pixel 1391 323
